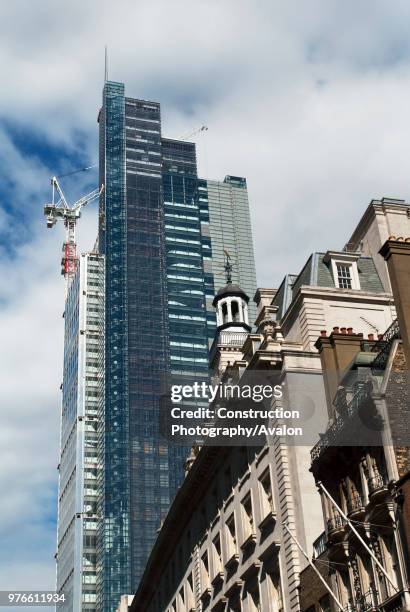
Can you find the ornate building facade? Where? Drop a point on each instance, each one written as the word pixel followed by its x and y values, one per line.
pixel 365 557
pixel 247 520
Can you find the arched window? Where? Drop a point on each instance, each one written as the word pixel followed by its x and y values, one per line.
pixel 225 313
pixel 235 311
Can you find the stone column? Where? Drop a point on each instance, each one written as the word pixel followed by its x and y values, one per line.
pixel 363 480
pixel 245 313
pixel 229 306
pixel 240 310
pixel 219 315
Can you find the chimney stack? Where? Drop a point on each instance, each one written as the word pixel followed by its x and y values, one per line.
pixel 336 353
pixel 396 252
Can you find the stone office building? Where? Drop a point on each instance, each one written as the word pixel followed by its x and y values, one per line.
pixel 367 380
pixel 223 545
pixel 220 547
pixel 361 479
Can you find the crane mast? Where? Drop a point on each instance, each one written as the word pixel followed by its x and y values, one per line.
pixel 59 209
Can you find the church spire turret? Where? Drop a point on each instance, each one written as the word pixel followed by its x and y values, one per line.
pixel 231 303
pixel 228 267
pixel 232 320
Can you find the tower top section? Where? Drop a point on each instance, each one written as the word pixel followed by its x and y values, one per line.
pixel 231 302
pixel 230 290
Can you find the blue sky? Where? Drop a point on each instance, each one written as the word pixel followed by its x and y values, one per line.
pixel 309 100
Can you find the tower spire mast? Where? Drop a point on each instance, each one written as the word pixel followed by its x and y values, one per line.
pixel 228 267
pixel 105 64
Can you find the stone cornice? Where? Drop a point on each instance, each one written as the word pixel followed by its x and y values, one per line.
pixel 395 247
pixel 267 312
pixel 376 207
pixel 341 256
pixel 331 293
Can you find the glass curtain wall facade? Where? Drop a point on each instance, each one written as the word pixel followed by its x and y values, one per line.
pixel 135 491
pixel 189 276
pixel 155 233
pixel 78 469
pixel 231 230
pixel 190 281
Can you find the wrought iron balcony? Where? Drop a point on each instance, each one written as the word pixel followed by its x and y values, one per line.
pixel 335 523
pixel 370 601
pixel 347 411
pixel 394 603
pixel 383 346
pixel 377 483
pixel 367 601
pixel 354 503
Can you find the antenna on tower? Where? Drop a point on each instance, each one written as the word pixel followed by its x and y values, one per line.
pixel 106 64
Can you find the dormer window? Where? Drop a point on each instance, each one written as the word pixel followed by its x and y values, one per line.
pixel 343 266
pixel 344 275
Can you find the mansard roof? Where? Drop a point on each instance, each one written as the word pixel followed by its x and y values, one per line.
pixel 317 272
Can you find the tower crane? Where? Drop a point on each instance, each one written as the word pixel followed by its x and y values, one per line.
pixel 59 209
pixel 198 130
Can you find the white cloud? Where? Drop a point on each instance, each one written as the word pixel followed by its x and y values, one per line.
pixel 309 101
pixel 31 332
pixel 30 366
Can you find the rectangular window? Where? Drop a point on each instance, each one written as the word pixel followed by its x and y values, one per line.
pixel 253 600
pixel 274 589
pixel 217 555
pixel 247 520
pixel 266 495
pixel 344 276
pixel 190 599
pixel 205 571
pixel 231 545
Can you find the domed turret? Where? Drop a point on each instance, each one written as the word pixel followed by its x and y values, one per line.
pixel 231 303
pixel 232 319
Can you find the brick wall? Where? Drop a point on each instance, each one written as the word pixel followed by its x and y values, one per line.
pixel 311 588
pixel 398 405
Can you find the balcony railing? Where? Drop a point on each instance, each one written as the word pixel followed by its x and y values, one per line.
pixel 370 601
pixel 376 483
pixel 367 601
pixel 354 503
pixel 395 603
pixel 233 339
pixel 335 523
pixel 347 411
pixel 228 339
pixel 383 346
